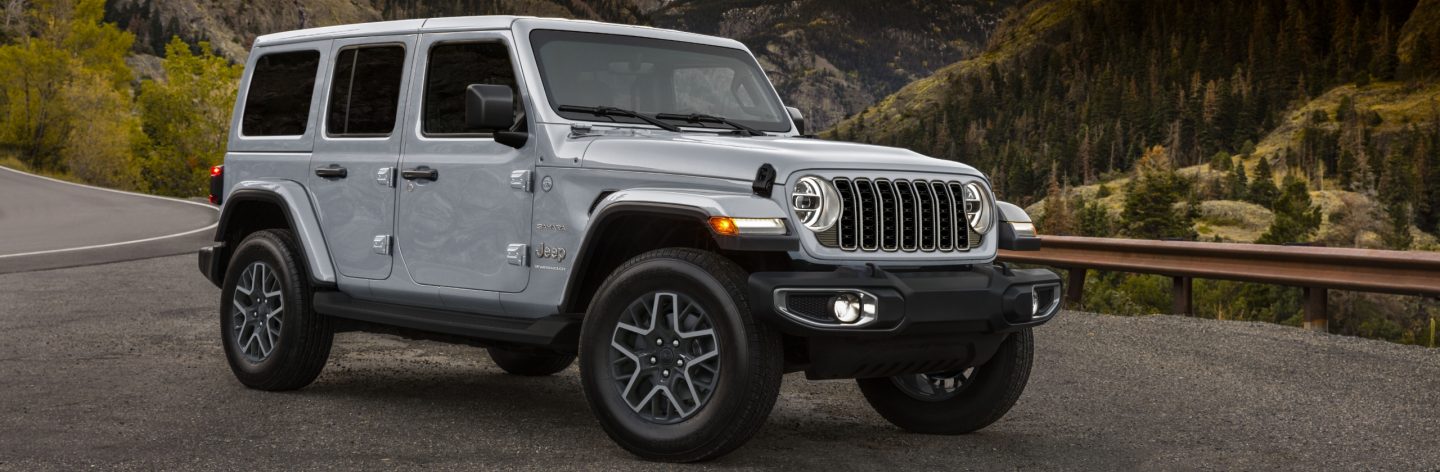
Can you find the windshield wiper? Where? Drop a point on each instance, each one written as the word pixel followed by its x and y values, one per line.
pixel 612 111
pixel 702 118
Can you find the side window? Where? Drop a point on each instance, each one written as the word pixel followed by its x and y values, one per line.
pixel 365 92
pixel 452 68
pixel 278 103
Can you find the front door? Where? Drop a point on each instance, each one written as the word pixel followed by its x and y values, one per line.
pixel 458 212
pixel 356 150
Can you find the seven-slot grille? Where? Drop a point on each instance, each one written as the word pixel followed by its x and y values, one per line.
pixel 900 215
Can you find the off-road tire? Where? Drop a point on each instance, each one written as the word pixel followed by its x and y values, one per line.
pixel 992 390
pixel 305 336
pixel 528 363
pixel 749 351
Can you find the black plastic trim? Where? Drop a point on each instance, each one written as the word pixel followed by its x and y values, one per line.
pixel 928 320
pixel 975 300
pixel 210 265
pixel 555 332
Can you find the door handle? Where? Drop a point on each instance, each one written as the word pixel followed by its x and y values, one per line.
pixel 334 171
pixel 420 173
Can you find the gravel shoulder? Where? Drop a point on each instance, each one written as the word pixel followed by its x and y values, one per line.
pixel 119 366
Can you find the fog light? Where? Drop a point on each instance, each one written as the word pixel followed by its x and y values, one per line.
pixel 847 307
pixel 1034 303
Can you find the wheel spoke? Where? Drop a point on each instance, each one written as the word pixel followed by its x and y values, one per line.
pixel 665 335
pixel 259 306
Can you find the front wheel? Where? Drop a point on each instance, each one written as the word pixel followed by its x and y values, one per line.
pixel 955 402
pixel 671 361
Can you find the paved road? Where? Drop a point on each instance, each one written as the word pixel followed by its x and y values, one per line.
pixel 119 366
pixel 46 223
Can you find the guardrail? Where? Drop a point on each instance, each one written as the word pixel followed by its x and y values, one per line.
pixel 1315 269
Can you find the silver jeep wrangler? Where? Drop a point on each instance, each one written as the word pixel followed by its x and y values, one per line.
pixel 636 197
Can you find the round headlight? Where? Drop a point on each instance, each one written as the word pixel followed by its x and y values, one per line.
pixel 978 207
pixel 815 202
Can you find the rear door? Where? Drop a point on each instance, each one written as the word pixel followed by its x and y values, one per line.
pixel 455 229
pixel 352 175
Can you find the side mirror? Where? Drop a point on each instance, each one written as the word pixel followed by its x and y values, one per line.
pixel 1017 232
pixel 489 107
pixel 798 118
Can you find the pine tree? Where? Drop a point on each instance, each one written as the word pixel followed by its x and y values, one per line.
pixel 1220 162
pixel 1383 61
pixel 1397 187
pixel 1151 200
pixel 1094 220
pixel 1262 189
pixel 1058 218
pixel 1430 204
pixel 1296 218
pixel 1239 185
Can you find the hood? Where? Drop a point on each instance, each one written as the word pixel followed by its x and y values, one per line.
pixel 738 158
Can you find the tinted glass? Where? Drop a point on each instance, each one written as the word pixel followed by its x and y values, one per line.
pixel 278 103
pixel 654 76
pixel 365 93
pixel 454 67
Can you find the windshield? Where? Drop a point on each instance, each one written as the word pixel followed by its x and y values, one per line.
pixel 654 76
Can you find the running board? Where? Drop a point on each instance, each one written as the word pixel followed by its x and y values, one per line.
pixel 557 332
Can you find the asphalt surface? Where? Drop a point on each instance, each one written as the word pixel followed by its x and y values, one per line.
pixel 119 366
pixel 46 224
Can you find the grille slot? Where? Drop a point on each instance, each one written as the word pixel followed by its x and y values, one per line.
pixel 900 215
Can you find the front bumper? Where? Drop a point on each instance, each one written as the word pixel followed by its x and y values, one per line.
pixel 925 320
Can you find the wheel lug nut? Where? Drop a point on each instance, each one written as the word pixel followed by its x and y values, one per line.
pixel 679 363
pixel 665 373
pixel 675 343
pixel 659 342
pixel 652 360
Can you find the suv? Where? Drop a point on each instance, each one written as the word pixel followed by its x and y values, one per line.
pixel 639 198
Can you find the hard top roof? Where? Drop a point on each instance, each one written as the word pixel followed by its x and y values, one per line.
pixel 480 23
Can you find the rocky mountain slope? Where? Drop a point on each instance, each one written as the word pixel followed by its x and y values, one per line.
pixel 831 58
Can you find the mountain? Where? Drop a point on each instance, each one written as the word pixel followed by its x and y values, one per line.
pixel 831 58
pixel 1082 87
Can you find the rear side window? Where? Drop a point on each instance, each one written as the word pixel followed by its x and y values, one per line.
pixel 452 68
pixel 278 103
pixel 365 93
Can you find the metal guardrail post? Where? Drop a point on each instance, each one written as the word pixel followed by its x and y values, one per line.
pixel 1184 299
pixel 1075 289
pixel 1317 317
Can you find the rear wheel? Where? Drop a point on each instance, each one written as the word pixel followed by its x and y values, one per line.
pixel 955 402
pixel 528 363
pixel 672 363
pixel 272 339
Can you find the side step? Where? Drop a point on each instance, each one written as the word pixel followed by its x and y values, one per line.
pixel 557 332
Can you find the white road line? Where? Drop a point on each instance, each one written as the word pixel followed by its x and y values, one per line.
pixel 98 246
pixel 122 243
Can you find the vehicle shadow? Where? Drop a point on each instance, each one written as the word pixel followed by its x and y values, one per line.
pixel 814 425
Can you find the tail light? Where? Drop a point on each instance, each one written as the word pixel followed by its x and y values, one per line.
pixel 217 184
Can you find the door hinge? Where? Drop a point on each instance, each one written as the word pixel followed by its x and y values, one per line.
pixel 381 244
pixel 517 254
pixel 385 176
pixel 520 179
